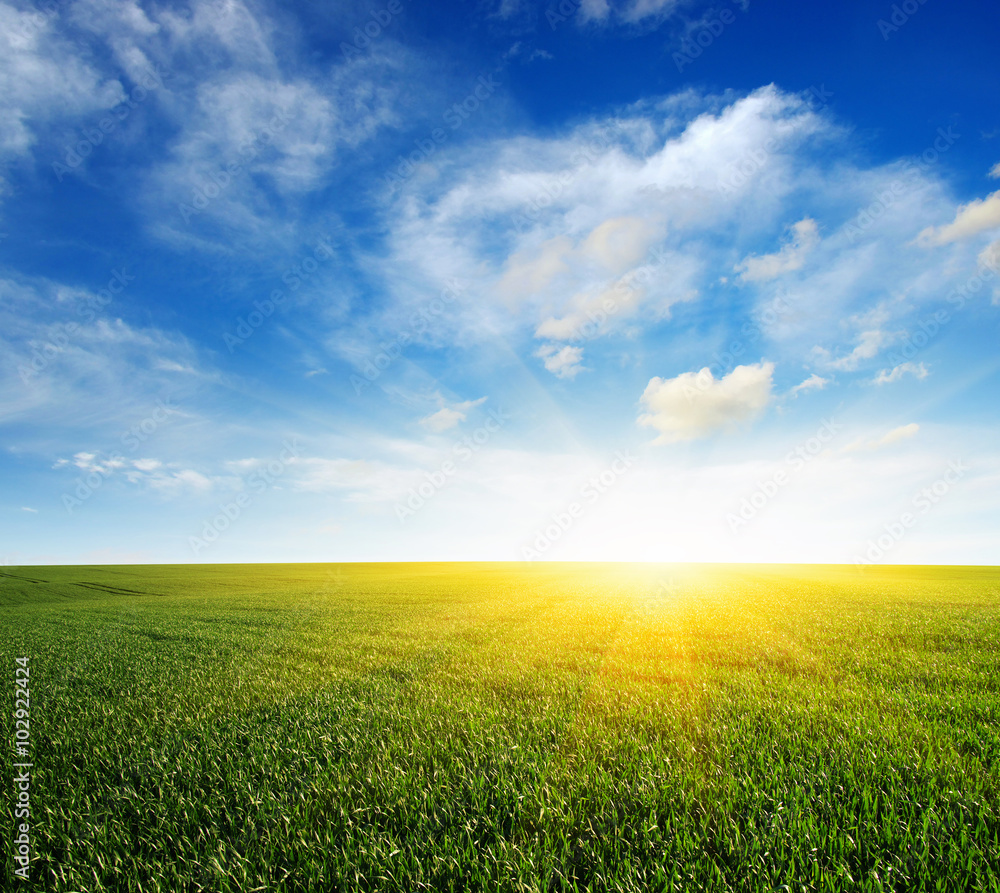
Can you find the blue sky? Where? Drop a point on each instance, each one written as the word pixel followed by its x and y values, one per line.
pixel 635 280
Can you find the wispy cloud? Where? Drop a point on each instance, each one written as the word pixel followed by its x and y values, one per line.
pixel 803 239
pixel 450 415
pixel 813 383
pixel 888 376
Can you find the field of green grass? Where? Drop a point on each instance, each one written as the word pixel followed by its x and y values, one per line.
pixel 506 727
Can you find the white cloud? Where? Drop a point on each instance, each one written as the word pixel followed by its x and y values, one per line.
pixel 549 226
pixel 172 482
pixel 594 10
pixel 888 376
pixel 868 344
pixel 44 78
pixel 233 100
pixel 629 11
pixel 530 271
pixel 813 383
pixel 694 405
pixel 244 138
pixel 242 36
pixel 706 175
pixel 448 416
pixel 58 351
pixel 619 243
pixel 611 247
pixel 804 238
pixel 971 219
pixel 595 311
pixel 168 479
pixel 563 362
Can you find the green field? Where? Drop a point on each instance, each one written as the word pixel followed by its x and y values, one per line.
pixel 506 727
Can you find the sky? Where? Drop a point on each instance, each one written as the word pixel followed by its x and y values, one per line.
pixel 637 280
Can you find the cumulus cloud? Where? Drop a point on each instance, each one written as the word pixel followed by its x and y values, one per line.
pixel 563 362
pixel 888 376
pixel 971 219
pixel 803 239
pixel 694 405
pixel 448 416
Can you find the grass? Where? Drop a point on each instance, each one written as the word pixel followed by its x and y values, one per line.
pixel 507 727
